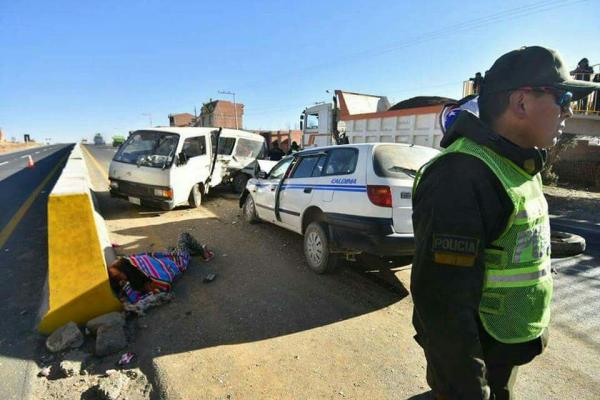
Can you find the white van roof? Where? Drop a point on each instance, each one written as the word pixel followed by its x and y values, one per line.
pixel 185 132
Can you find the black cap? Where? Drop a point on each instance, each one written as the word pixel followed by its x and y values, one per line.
pixel 533 66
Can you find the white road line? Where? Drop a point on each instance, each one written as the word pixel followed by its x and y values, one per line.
pixel 5 162
pixel 25 156
pixel 37 152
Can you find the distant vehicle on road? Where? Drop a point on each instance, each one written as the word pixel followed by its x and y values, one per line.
pixel 98 139
pixel 168 167
pixel 118 140
pixel 345 200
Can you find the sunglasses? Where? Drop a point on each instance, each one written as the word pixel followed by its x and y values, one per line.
pixel 563 99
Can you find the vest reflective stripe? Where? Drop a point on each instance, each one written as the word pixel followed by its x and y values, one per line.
pixel 515 301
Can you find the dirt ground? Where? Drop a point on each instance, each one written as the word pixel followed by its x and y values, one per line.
pixel 573 204
pixel 6 147
pixel 268 328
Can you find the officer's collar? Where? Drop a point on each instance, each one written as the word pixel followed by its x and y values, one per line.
pixel 470 126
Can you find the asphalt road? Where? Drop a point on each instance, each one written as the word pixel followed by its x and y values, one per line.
pixel 23 260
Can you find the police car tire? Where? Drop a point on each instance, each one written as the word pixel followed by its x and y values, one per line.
pixel 239 182
pixel 566 244
pixel 195 199
pixel 317 249
pixel 249 210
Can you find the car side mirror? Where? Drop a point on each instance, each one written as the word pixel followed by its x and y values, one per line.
pixel 262 175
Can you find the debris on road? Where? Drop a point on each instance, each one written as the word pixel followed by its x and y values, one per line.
pixel 113 319
pixel 126 359
pixel 45 372
pixel 72 364
pixel 110 339
pixel 67 336
pixel 209 278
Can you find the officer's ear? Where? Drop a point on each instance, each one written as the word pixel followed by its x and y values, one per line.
pixel 517 104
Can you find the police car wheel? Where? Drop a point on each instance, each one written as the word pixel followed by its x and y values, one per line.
pixel 239 183
pixel 566 244
pixel 250 210
pixel 316 249
pixel 195 199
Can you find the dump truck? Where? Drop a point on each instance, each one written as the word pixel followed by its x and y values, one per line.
pixel 363 118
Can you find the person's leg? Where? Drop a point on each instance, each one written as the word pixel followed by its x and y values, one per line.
pixel 501 378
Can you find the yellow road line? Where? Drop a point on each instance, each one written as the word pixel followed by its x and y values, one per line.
pixel 14 221
pixel 96 163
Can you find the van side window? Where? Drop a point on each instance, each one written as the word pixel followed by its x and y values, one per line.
pixel 306 166
pixel 226 145
pixel 341 162
pixel 195 146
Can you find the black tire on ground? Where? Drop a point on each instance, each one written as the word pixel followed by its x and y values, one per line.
pixel 317 249
pixel 195 199
pixel 249 210
pixel 239 182
pixel 566 244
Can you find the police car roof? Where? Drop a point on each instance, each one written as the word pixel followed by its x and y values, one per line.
pixel 358 145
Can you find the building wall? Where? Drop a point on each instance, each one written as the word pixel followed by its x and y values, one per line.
pixel 221 113
pixel 283 137
pixel 580 165
pixel 184 119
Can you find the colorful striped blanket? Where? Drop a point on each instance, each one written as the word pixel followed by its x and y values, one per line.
pixel 161 268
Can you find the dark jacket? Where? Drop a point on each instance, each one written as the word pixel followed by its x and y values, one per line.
pixel 460 198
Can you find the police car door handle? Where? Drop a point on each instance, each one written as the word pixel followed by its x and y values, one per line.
pixel 307 190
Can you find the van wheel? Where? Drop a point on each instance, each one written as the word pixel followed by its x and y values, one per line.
pixel 195 199
pixel 249 210
pixel 239 182
pixel 317 249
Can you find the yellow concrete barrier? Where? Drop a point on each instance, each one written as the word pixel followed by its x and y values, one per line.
pixel 78 252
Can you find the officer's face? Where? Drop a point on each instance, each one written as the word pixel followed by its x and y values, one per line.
pixel 546 119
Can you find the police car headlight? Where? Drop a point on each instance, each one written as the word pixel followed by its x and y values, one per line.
pixel 114 184
pixel 167 193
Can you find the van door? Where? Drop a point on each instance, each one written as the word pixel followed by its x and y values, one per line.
pixel 266 189
pixel 194 170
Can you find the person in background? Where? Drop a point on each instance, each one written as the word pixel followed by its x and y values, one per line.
pixel 583 72
pixel 477 82
pixel 275 154
pixel 294 148
pixel 481 280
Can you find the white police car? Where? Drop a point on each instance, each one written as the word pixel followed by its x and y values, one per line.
pixel 345 200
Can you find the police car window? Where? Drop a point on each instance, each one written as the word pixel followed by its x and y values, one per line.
pixel 279 169
pixel 341 162
pixel 193 147
pixel 395 161
pixel 305 167
pixel 318 170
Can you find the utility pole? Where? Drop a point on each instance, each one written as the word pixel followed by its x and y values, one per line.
pixel 234 106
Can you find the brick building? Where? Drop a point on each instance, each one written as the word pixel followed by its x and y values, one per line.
pixel 285 138
pixel 221 113
pixel 183 119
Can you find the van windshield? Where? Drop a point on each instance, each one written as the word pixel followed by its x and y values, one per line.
pixel 149 149
pixel 394 161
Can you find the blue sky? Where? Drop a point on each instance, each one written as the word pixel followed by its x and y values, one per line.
pixel 69 69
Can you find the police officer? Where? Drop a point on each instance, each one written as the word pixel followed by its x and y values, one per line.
pixel 481 280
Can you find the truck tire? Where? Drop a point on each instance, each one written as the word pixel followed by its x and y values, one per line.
pixel 239 182
pixel 195 199
pixel 249 210
pixel 317 249
pixel 566 244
